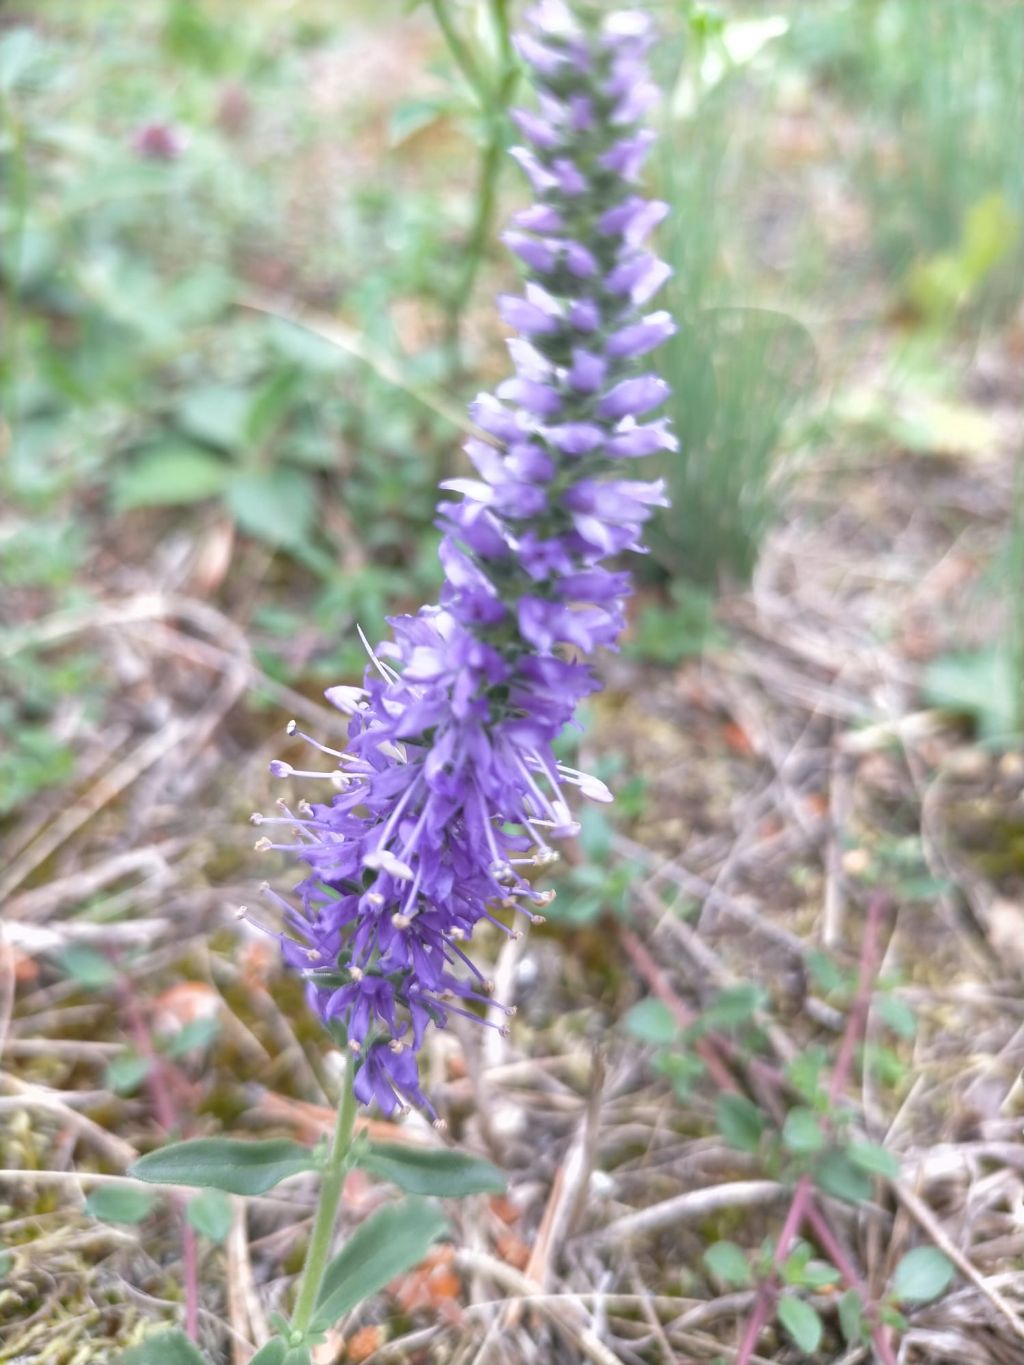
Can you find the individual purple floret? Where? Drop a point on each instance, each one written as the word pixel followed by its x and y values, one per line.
pixel 449 795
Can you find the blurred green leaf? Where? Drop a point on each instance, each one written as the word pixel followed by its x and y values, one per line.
pixel 870 1157
pixel 272 1354
pixel 127 1072
pixel 163 1348
pixel 192 37
pixel 732 1007
pixel 33 761
pixel 24 58
pixel 826 975
pixel 981 685
pixel 802 1132
pixel 271 404
pixel 897 1015
pixel 683 1070
pixel 227 1164
pixel 412 117
pixel 852 1322
pixel 652 1021
pixel 805 1073
pixel 439 1172
pixel 922 1275
pixel 728 1263
pixel 217 414
pixel 389 1242
pixel 87 968
pixel 836 1174
pixel 740 1122
pixel 115 1204
pixel 801 1321
pixel 274 505
pixel 210 1213
pixel 171 473
pixel 197 1034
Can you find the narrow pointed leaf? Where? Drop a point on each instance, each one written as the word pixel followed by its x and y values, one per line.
pixel 390 1242
pixel 431 1171
pixel 224 1164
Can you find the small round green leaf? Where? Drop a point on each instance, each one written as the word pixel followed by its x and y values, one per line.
pixel 851 1318
pixel 195 1036
pixel 802 1132
pixel 274 505
pixel 739 1121
pixel 728 1263
pixel 87 968
pixel 126 1072
pixel 922 1275
pixel 652 1022
pixel 431 1171
pixel 119 1204
pixel 225 1164
pixel 801 1322
pixel 870 1157
pixel 173 473
pixel 897 1014
pixel 836 1174
pixel 210 1214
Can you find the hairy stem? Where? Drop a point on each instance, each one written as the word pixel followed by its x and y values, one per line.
pixel 326 1208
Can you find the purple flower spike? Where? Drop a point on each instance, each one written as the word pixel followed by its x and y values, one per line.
pixel 449 796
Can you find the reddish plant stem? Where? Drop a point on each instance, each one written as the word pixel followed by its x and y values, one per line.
pixel 870 956
pixel 765 1300
pixel 802 1206
pixel 833 1248
pixel 802 1196
pixel 159 1087
pixel 659 984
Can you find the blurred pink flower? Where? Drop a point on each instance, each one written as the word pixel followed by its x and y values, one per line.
pixel 159 141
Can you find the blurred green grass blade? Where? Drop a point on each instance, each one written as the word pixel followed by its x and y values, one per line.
pixel 351 341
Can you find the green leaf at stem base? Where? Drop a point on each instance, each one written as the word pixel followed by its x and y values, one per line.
pixel 391 1241
pixel 224 1164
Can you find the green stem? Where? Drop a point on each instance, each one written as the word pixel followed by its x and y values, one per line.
pixel 464 58
pixel 490 166
pixel 327 1207
pixel 499 11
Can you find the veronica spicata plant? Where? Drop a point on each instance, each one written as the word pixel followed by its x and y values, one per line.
pixel 449 794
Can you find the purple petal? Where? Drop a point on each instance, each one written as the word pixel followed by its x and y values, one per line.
pixel 633 397
pixel 640 337
pixel 588 371
pixel 575 438
pixel 536 253
pixel 525 317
